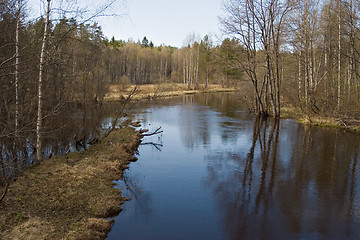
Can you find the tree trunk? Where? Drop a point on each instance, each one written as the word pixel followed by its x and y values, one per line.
pixel 197 66
pixel 349 77
pixel 339 57
pixel 299 77
pixel 17 67
pixel 40 93
pixel 207 76
pixel 326 72
pixel 184 70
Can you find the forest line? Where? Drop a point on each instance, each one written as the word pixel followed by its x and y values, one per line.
pixel 302 54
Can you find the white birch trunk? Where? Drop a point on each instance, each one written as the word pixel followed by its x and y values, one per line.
pixel 197 66
pixel 306 85
pixel 41 72
pixel 349 79
pixel 17 60
pixel 326 75
pixel 184 69
pixel 191 71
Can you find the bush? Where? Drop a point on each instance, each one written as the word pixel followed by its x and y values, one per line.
pixel 123 83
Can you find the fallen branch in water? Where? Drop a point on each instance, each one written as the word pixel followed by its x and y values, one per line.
pixel 158 146
pixel 157 131
pixel 120 114
pixel 5 191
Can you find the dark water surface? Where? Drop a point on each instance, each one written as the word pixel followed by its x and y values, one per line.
pixel 218 173
pixel 68 131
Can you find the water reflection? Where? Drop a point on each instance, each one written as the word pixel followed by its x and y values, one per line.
pixel 141 198
pixel 224 174
pixel 298 184
pixel 218 172
pixel 70 130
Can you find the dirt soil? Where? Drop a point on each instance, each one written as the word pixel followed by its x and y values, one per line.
pixel 70 196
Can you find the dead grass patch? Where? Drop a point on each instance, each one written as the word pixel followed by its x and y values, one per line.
pixel 68 196
pixel 345 123
pixel 151 91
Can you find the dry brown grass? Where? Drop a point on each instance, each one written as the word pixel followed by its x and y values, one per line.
pixel 69 197
pixel 344 123
pixel 151 91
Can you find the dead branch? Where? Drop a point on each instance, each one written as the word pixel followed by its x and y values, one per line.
pixel 5 191
pixel 116 119
pixel 157 131
pixel 342 122
pixel 158 146
pixel 93 141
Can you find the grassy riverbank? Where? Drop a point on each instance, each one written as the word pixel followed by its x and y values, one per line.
pixel 70 196
pixel 151 91
pixel 345 123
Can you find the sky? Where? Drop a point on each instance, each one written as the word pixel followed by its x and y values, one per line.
pixel 166 22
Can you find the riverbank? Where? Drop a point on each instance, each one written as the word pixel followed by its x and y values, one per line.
pixel 70 196
pixel 345 123
pixel 153 91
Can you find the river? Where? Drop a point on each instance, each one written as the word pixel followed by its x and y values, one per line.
pixel 217 172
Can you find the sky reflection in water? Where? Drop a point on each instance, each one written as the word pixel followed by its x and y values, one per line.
pixel 221 174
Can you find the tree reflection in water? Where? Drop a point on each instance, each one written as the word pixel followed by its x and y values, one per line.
pixel 300 184
pixel 71 130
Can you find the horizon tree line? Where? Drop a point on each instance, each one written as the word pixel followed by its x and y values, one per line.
pixel 278 53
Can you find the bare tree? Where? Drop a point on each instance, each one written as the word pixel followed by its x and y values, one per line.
pixel 19 2
pixel 339 55
pixel 258 25
pixel 85 15
pixel 40 83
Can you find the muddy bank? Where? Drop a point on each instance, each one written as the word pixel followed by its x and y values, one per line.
pixel 70 196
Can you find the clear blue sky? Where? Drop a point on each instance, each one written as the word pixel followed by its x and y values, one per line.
pixel 165 21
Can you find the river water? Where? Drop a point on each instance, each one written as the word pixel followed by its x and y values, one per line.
pixel 217 172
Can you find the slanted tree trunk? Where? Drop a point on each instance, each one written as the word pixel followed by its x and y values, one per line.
pixel 40 83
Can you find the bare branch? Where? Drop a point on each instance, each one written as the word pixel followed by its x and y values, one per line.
pixel 158 146
pixel 157 131
pixel 120 114
pixel 5 191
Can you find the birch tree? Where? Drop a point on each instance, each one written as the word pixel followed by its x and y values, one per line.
pixel 258 25
pixel 17 59
pixel 310 45
pixel 339 55
pixel 40 83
